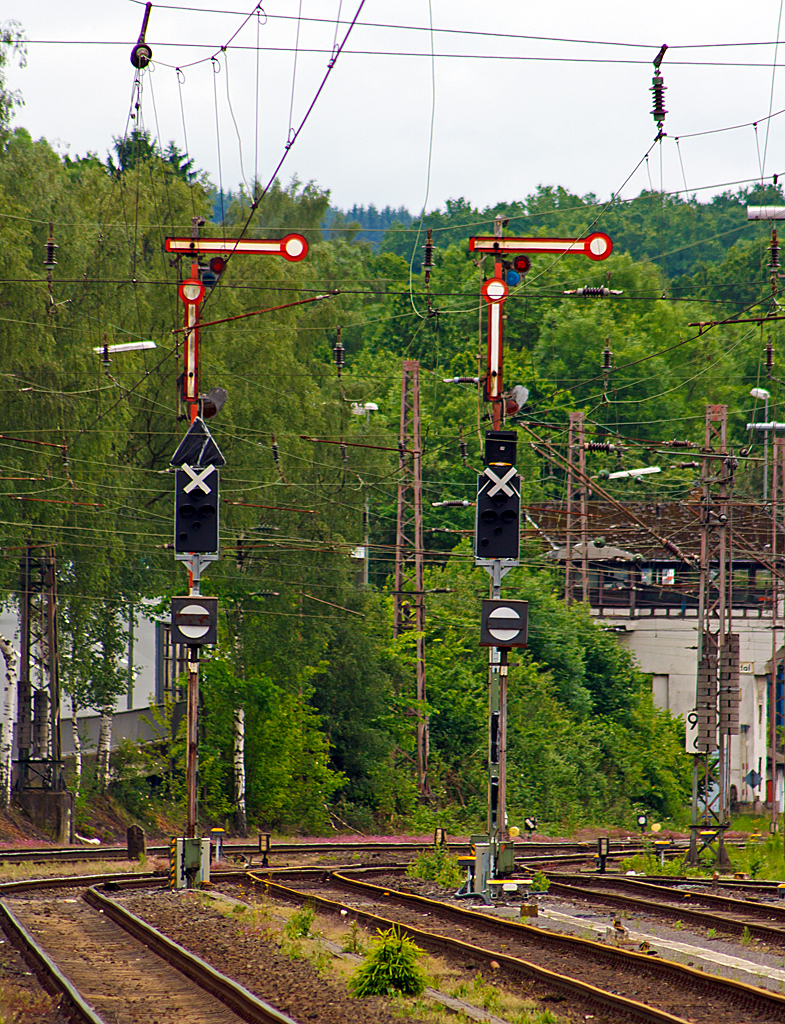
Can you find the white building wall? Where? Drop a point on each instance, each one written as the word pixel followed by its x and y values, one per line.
pixel 666 647
pixel 144 661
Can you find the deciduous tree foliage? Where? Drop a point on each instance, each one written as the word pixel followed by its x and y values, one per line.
pixel 304 650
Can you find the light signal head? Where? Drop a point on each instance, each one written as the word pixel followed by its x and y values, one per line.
pixel 515 269
pixel 211 274
pixel 521 264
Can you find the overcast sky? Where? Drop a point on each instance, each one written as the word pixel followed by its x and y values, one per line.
pixel 506 119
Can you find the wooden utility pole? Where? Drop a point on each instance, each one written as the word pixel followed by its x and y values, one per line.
pixel 409 549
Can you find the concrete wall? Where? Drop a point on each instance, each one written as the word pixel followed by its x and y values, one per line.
pixel 125 725
pixel 144 660
pixel 667 648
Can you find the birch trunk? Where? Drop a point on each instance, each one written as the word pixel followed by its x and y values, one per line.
pixel 9 714
pixel 77 749
pixel 241 823
pixel 104 745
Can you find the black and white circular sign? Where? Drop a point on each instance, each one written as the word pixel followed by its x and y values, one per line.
pixel 504 623
pixel 194 620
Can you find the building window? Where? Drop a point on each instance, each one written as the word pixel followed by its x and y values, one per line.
pixel 660 689
pixel 668 577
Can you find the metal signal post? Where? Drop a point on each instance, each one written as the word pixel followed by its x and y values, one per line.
pixel 192 291
pixel 507 273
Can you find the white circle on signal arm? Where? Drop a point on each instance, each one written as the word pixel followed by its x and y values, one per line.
pixel 294 246
pixel 193 621
pixel 503 634
pixel 495 290
pixel 598 245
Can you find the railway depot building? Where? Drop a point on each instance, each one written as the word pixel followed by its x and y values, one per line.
pixel 650 600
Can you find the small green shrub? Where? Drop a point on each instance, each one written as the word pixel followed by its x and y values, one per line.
pixel 540 882
pixel 437 865
pixel 353 942
pixel 391 966
pixel 299 924
pixel 746 937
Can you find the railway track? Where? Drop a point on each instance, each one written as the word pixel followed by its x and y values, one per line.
pixel 526 852
pixel 693 905
pixel 599 976
pixel 113 968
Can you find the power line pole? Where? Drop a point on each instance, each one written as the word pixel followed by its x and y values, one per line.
pixel 777 512
pixel 718 652
pixel 409 548
pixel 38 706
pixel 576 459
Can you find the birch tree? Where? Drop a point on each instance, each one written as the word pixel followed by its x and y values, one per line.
pixel 9 715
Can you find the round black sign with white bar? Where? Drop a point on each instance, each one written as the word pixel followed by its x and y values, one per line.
pixel 194 620
pixel 504 623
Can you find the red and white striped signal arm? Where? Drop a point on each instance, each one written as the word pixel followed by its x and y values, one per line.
pixel 596 246
pixel 291 247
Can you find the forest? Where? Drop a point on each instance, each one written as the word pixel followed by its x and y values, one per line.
pixel 306 659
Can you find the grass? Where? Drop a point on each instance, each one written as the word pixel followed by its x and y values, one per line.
pixel 540 882
pixel 649 864
pixel 762 859
pixel 437 865
pixel 19 1005
pixel 352 938
pixel 27 869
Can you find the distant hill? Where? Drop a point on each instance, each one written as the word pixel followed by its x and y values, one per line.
pixel 372 221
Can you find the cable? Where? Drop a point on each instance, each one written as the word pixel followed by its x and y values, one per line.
pixel 430 158
pixel 771 94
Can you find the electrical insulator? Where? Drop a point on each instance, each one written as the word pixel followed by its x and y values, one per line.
pixel 50 259
pixel 774 252
pixel 769 358
pixel 401 450
pixel 689 465
pixel 598 446
pixel 658 87
pixel 338 354
pixel 593 291
pixel 427 263
pixel 680 444
pixel 606 358
pixel 464 450
pixel 344 454
pixel 276 453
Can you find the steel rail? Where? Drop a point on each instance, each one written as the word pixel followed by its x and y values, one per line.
pixel 771 1003
pixel 45 968
pixel 524 850
pixel 680 912
pixel 561 983
pixel 232 994
pixel 732 904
